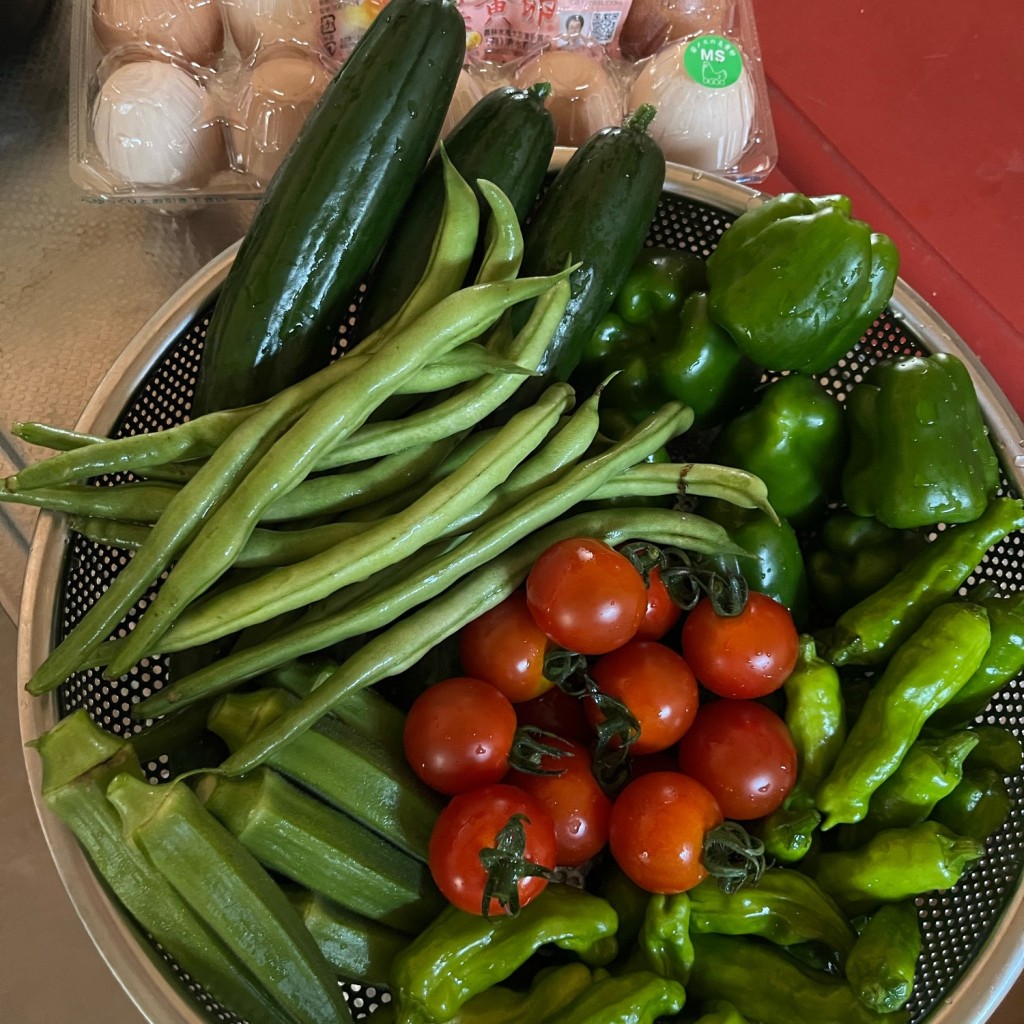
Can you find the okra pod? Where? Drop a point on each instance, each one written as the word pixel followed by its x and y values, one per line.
pixel 78 761
pixel 232 893
pixel 302 838
pixel 342 765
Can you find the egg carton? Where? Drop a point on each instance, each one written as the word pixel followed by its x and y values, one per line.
pixel 189 101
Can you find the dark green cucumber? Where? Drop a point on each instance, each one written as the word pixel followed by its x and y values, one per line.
pixel 506 138
pixel 331 206
pixel 597 212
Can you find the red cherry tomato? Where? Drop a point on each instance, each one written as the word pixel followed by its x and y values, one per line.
pixel 743 753
pixel 655 684
pixel 458 735
pixel 574 799
pixel 586 596
pixel 745 655
pixel 657 829
pixel 470 823
pixel 557 712
pixel 506 647
pixel 662 613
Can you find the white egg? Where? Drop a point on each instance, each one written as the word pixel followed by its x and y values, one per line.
pixel 154 125
pixel 469 90
pixel 584 97
pixel 271 107
pixel 262 23
pixel 193 29
pixel 706 128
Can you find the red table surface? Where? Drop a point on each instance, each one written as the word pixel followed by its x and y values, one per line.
pixel 915 109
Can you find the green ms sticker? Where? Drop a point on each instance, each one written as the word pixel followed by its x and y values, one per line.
pixel 713 61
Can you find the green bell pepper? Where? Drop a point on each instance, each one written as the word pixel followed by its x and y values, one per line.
pixel 664 346
pixel 460 955
pixel 795 440
pixel 919 449
pixel 854 556
pixel 796 281
pixel 774 563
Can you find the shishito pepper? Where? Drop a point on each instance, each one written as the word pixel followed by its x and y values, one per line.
pixel 997 748
pixel 766 984
pixel 978 806
pixel 882 965
pixel 926 671
pixel 797 281
pixel 897 864
pixel 794 439
pixel 856 555
pixel 662 343
pixel 460 955
pixel 815 715
pixel 919 449
pixel 638 997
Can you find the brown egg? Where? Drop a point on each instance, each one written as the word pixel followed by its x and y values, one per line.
pixel 258 24
pixel 650 24
pixel 584 97
pixel 192 29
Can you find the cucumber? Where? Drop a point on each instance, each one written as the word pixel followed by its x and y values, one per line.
pixel 597 212
pixel 506 138
pixel 331 206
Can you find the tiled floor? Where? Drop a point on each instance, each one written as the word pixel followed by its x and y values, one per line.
pixel 51 971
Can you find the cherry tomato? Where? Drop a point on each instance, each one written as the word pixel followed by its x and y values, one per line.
pixel 745 655
pixel 458 734
pixel 557 712
pixel 743 753
pixel 574 799
pixel 662 613
pixel 506 647
pixel 655 684
pixel 471 822
pixel 586 596
pixel 657 829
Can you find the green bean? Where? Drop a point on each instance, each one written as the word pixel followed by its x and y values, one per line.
pixel 263 549
pixel 503 255
pixel 380 545
pixel 142 502
pixel 696 479
pixel 410 589
pixel 398 648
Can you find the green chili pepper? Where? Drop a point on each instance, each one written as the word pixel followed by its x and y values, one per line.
pixel 663 943
pixel 774 563
pixel 459 955
pixel 628 901
pixel 794 439
pixel 926 671
pixel 856 555
pixel 766 984
pixel 997 748
pixel 796 281
pixel 930 770
pixel 897 864
pixel 815 715
pixel 919 449
pixel 1003 660
pixel 639 997
pixel 978 807
pixel 719 1011
pixel 785 906
pixel 868 632
pixel 882 965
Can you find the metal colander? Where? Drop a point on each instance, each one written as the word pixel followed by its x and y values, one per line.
pixel 973 948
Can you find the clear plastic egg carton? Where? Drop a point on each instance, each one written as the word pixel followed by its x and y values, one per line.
pixel 184 101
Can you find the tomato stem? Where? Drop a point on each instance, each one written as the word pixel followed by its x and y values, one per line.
pixel 529 750
pixel 506 866
pixel 688 580
pixel 733 856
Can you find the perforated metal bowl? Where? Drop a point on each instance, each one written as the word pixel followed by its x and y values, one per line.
pixel 974 934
